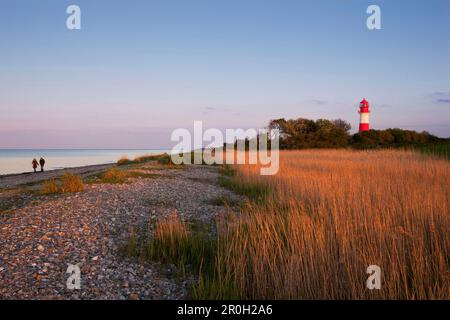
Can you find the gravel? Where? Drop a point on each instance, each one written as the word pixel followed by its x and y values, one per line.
pixel 38 241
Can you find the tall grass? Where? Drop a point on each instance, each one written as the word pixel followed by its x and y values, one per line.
pixel 328 216
pixel 438 149
pixel 176 242
pixel 187 246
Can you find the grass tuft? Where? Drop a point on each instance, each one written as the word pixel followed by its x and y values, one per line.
pixel 71 183
pixel 50 187
pixel 124 161
pixel 68 183
pixel 114 175
pixel 187 246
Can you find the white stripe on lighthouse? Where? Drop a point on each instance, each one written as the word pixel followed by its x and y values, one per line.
pixel 364 118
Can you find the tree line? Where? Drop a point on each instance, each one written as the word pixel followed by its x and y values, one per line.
pixel 305 133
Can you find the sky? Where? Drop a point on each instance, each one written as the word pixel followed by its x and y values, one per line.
pixel 139 69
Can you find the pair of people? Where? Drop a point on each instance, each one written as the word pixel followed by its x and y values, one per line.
pixel 35 164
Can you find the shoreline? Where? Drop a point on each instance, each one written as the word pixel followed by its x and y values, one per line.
pixel 52 170
pixel 12 180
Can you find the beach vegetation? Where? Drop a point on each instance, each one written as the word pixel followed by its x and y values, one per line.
pixel 113 175
pixel 328 216
pixel 188 247
pixel 163 159
pixel 223 201
pixel 50 187
pixel 68 183
pixel 71 183
pixel 311 231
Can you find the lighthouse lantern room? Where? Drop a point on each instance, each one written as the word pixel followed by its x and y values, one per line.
pixel 364 116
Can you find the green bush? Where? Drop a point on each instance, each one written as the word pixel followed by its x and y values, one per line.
pixel 391 138
pixel 304 133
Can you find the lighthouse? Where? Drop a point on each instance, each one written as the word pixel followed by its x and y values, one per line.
pixel 364 115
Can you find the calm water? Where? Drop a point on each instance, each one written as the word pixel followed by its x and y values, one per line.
pixel 18 161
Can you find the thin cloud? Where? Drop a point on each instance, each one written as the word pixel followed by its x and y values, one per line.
pixel 318 102
pixel 441 97
pixel 208 110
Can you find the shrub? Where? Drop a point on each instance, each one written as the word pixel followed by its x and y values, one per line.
pixel 71 183
pixel 114 175
pixel 391 138
pixel 164 159
pixel 304 133
pixel 50 187
pixel 124 161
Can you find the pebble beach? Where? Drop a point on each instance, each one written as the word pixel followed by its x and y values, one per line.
pixel 40 235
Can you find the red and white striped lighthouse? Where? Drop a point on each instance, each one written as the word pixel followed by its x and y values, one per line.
pixel 364 116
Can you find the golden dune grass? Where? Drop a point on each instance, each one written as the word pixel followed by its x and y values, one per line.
pixel 330 215
pixel 69 183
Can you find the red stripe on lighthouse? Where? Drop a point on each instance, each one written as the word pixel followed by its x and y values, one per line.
pixel 363 127
pixel 364 112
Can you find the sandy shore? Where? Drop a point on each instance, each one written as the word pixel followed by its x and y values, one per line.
pixel 15 180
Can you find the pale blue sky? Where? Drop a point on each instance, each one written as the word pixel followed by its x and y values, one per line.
pixel 138 69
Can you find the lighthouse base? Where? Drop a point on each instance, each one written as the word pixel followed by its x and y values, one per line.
pixel 363 127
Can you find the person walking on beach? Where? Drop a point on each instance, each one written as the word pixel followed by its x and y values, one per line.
pixel 42 163
pixel 35 164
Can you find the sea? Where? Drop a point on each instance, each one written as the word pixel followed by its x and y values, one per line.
pixel 19 161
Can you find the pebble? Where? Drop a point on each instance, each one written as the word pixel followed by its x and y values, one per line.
pixel 87 229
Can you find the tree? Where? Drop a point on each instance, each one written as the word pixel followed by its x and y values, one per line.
pixel 342 124
pixel 304 133
pixel 391 138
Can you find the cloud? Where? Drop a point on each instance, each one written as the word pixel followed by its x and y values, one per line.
pixel 211 110
pixel 208 110
pixel 318 102
pixel 440 97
